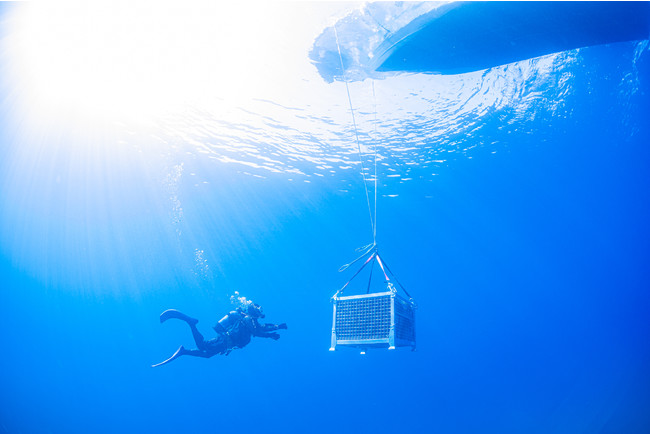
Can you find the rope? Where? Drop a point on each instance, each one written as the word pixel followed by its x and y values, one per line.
pixel 382 268
pixel 358 271
pixel 372 267
pixel 374 99
pixel 366 249
pixel 356 134
pixel 395 277
pixel 373 217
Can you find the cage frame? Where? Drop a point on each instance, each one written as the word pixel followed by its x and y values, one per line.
pixel 392 341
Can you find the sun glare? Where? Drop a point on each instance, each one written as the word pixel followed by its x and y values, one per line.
pixel 136 59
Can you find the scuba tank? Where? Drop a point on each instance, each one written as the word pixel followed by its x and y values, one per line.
pixel 227 322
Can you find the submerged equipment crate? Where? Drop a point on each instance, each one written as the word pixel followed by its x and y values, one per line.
pixel 378 320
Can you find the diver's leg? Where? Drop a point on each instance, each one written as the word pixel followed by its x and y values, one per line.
pixel 217 345
pixel 198 337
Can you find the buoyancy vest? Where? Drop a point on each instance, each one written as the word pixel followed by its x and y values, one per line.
pixel 240 333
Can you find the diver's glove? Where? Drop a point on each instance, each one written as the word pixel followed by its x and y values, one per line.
pixel 274 336
pixel 282 326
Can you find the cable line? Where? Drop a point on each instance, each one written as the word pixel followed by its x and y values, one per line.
pixel 365 249
pixel 356 134
pixel 374 99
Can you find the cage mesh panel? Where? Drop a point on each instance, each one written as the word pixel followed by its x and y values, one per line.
pixel 404 324
pixel 363 318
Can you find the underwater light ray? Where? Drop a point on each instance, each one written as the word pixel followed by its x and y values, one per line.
pixel 136 60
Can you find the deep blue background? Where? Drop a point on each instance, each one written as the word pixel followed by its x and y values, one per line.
pixel 529 266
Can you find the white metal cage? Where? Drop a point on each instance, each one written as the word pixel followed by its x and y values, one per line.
pixel 378 320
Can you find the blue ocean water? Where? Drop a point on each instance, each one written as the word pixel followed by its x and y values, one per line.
pixel 512 203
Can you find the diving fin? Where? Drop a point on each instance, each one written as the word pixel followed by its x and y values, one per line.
pixel 179 352
pixel 173 313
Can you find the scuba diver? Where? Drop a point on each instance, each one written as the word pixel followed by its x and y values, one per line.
pixel 234 330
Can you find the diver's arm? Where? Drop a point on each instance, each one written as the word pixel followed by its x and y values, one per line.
pixel 272 335
pixel 272 327
pixel 262 330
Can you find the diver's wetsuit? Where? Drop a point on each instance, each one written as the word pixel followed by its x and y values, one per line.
pixel 235 330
